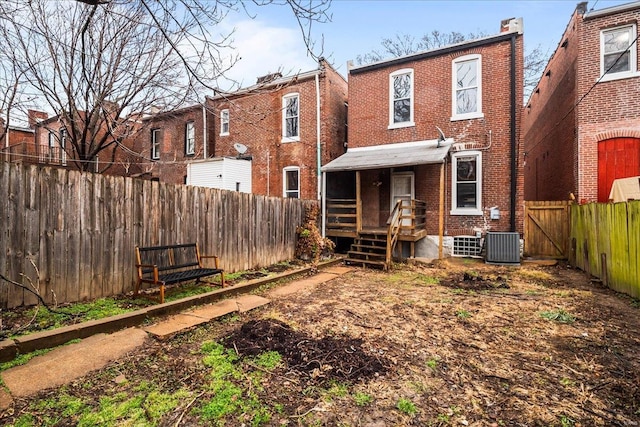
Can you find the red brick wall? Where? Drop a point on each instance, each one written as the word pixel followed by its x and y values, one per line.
pixel 369 120
pixel 564 122
pixel 255 120
pixel 171 166
pixel 611 106
pixel 548 124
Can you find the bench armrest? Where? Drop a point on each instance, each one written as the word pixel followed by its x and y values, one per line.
pixel 215 258
pixel 155 271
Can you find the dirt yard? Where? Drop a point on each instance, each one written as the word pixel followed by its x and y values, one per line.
pixel 459 343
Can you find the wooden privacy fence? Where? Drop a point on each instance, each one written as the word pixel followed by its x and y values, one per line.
pixel 546 229
pixel 605 242
pixel 79 229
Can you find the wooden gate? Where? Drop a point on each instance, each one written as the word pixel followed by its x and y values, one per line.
pixel 546 229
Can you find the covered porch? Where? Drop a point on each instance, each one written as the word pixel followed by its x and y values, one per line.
pixel 380 195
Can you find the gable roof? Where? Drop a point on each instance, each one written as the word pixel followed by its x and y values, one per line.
pixel 434 52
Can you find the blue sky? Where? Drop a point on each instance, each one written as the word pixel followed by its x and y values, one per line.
pixel 272 41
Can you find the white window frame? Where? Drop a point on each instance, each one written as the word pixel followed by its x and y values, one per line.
pixel 224 122
pixel 285 192
pixel 190 138
pixel 454 88
pixel 454 181
pixel 155 144
pixel 633 61
pixel 392 76
pixel 285 98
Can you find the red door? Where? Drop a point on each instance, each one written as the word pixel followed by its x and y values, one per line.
pixel 617 158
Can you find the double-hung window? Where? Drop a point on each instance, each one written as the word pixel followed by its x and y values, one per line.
pixel 224 122
pixel 618 53
pixel 291 182
pixel 190 139
pixel 466 183
pixel 291 117
pixel 155 144
pixel 401 98
pixel 466 93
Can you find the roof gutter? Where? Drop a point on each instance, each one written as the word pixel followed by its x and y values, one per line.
pixel 513 136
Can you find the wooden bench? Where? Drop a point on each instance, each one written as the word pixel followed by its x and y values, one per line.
pixel 165 265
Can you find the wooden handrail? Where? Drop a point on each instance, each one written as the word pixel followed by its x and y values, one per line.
pixel 393 229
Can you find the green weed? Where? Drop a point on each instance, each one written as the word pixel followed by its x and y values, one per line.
pixel 362 399
pixel 269 360
pixel 567 422
pixel 432 363
pixel 558 316
pixel 463 314
pixel 406 406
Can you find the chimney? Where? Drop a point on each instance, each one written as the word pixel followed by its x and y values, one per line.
pixel 34 117
pixel 268 78
pixel 511 25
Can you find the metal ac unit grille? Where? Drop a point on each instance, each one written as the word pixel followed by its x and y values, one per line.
pixel 503 248
pixel 468 246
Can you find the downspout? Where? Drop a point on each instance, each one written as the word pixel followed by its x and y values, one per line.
pixel 514 171
pixel 204 129
pixel 318 145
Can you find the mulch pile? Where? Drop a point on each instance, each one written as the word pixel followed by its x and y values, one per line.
pixel 320 361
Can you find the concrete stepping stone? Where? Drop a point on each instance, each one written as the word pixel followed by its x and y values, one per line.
pixel 174 324
pixel 67 363
pixel 249 302
pixel 298 285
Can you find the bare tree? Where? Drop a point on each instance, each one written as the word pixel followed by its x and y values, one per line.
pixel 404 44
pixel 99 64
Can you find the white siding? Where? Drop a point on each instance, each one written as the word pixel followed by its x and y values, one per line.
pixel 224 172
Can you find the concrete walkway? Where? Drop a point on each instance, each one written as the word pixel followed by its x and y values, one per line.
pixel 67 363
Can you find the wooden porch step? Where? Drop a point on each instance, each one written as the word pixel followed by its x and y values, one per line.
pixel 371 239
pixel 366 263
pixel 367 255
pixel 362 248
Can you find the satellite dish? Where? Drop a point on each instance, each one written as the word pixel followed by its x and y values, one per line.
pixel 240 148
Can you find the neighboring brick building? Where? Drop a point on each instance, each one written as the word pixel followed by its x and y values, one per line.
pixel 16 143
pixel 288 124
pixel 166 141
pixel 581 126
pixel 473 92
pixel 53 146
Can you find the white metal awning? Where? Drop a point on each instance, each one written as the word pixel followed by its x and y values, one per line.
pixel 391 155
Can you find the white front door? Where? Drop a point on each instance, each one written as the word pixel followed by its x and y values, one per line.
pixel 402 188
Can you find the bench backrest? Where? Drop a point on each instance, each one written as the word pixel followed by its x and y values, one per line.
pixel 169 257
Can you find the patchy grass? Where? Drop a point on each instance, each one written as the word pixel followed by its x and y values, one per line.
pixel 560 315
pixel 406 406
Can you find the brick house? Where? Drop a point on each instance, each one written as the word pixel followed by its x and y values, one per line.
pixel 290 126
pixel 50 144
pixel 166 141
pixel 463 181
pixel 581 126
pixel 16 143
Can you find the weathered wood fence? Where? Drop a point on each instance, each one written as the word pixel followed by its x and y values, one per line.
pixel 79 229
pixel 605 242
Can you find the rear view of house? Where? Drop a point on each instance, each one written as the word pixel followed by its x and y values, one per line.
pixel 437 131
pixel 581 126
pixel 288 126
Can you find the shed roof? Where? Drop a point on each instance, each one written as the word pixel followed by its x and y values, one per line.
pixel 391 155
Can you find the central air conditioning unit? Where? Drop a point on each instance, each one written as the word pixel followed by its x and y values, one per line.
pixel 502 248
